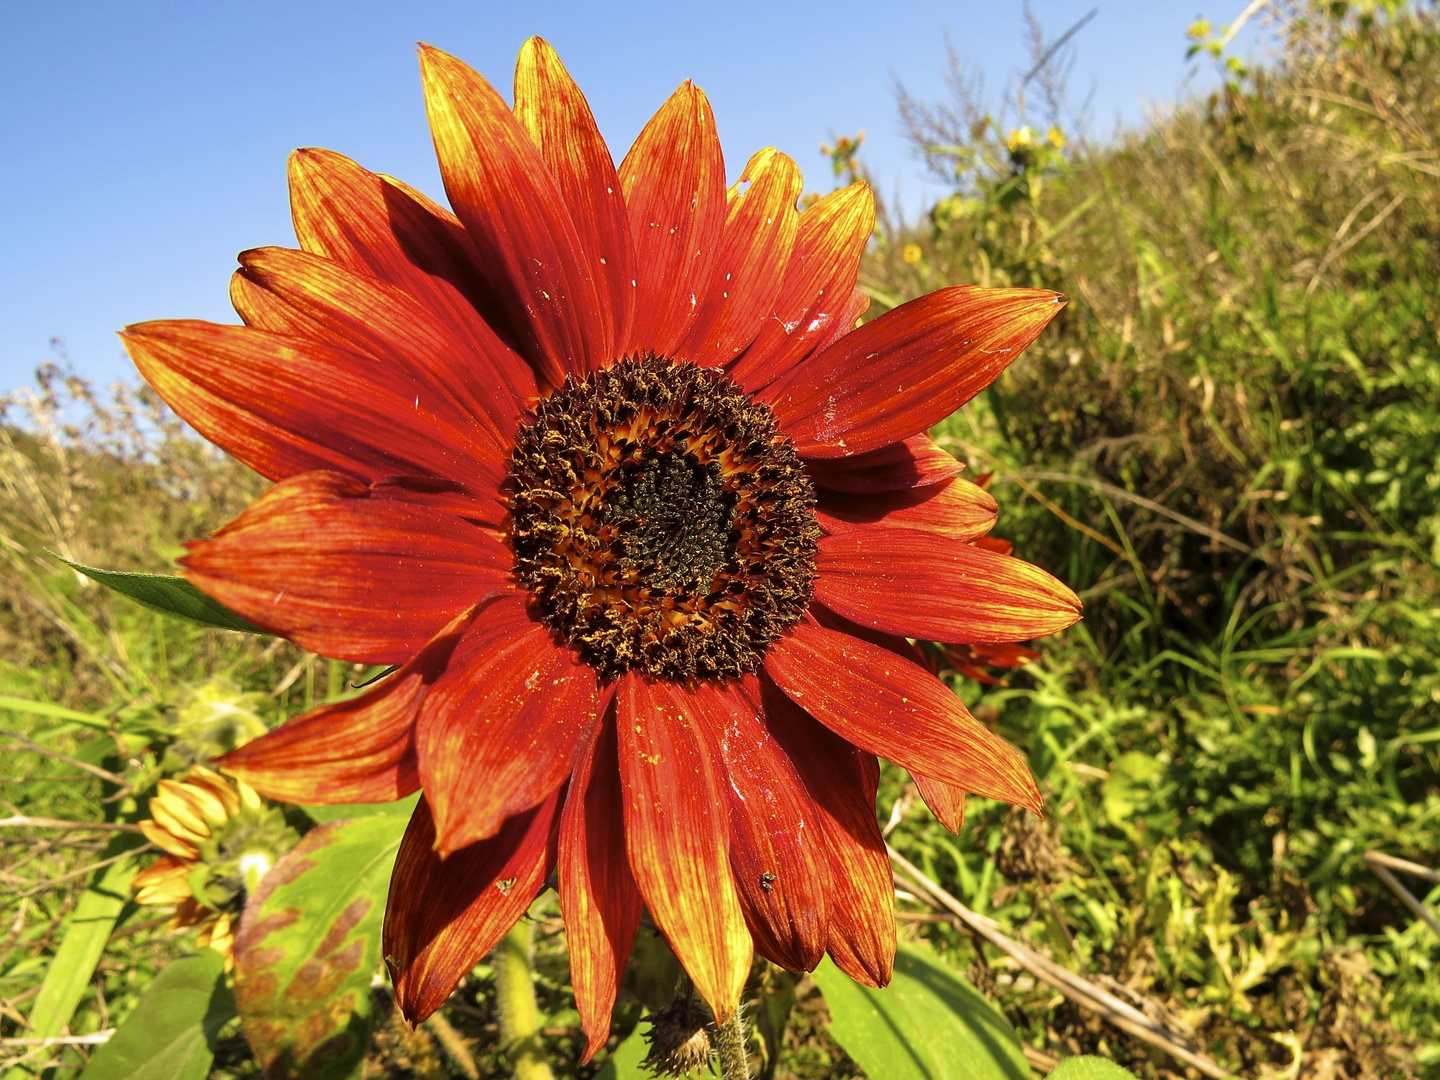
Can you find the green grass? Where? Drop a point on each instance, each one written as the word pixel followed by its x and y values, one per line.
pixel 1229 443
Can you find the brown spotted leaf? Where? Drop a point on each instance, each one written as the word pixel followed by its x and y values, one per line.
pixel 308 945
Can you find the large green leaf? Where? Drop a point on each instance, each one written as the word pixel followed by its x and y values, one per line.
pixel 929 1024
pixel 308 944
pixel 172 1032
pixel 403 807
pixel 169 595
pixel 1090 1068
pixel 87 929
pixel 624 1063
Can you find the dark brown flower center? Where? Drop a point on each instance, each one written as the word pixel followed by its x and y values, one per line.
pixel 662 521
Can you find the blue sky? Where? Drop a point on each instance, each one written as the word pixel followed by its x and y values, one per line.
pixel 144 145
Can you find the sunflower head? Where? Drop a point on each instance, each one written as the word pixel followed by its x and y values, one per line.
pixel 679 1038
pixel 662 520
pixel 602 462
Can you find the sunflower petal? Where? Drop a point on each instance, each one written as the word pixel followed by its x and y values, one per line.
pixel 599 899
pixel 900 374
pixel 165 881
pixel 356 311
pixel 167 841
pixel 760 227
pixel 443 917
pixel 318 560
pixel 842 783
pixel 261 309
pixel 675 832
pixel 957 509
pixel 285 406
pixel 516 217
pixel 946 801
pixel 848 319
pixel 378 226
pixel 499 730
pixel 923 584
pixel 674 184
pixel 817 292
pixel 358 750
pixel 916 462
pixel 553 110
pixel 779 871
pixel 895 708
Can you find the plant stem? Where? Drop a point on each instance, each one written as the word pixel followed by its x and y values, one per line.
pixel 734 1062
pixel 519 1015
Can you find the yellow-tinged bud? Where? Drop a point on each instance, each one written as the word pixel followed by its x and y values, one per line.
pixel 172 808
pixel 249 797
pixel 220 840
pixel 166 840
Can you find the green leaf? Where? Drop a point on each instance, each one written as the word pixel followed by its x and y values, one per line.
pixel 308 944
pixel 624 1063
pixel 1090 1068
pixel 171 1034
pixel 87 929
pixel 402 807
pixel 169 595
pixel 929 1024
pixel 59 712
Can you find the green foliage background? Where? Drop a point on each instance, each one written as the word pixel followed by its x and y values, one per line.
pixel 1229 443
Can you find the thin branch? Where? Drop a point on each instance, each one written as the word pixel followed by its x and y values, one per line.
pixel 1129 496
pixel 1056 46
pixel 50 883
pixel 1059 512
pixel 1405 866
pixel 1251 10
pixel 95 1038
pixel 21 821
pixel 454 1045
pixel 1079 990
pixel 93 770
pixel 1381 865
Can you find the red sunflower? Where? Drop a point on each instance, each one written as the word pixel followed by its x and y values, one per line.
pixel 602 463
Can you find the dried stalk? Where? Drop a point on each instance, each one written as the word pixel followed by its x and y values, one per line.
pixel 454 1045
pixel 21 821
pixel 95 1038
pixel 50 883
pixel 1383 864
pixel 1079 990
pixel 93 770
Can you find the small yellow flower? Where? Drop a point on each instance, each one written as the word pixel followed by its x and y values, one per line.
pixel 204 822
pixel 911 253
pixel 1055 137
pixel 1020 139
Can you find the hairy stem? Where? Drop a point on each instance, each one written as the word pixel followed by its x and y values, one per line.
pixel 519 1015
pixel 734 1063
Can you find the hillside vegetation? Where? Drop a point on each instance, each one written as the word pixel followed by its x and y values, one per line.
pixel 1228 443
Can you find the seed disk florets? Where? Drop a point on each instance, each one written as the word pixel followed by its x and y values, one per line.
pixel 661 520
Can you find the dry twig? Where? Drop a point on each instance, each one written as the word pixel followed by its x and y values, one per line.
pixel 93 770
pixel 454 1045
pixel 1078 989
pixel 1383 864
pixel 21 821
